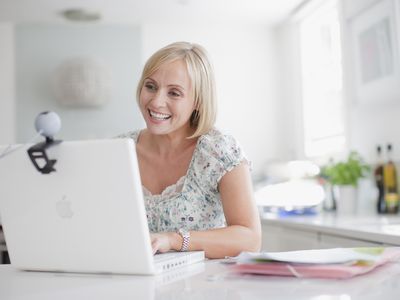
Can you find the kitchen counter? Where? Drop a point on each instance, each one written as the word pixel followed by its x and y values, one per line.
pixel 209 280
pixel 384 229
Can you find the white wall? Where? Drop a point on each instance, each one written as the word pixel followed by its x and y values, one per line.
pixel 39 51
pixel 244 57
pixel 289 91
pixel 7 94
pixel 355 7
pixel 369 123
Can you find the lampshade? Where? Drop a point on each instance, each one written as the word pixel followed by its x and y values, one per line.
pixel 82 82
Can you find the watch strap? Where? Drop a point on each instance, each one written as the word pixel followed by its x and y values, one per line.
pixel 186 239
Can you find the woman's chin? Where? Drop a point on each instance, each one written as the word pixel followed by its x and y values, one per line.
pixel 158 128
pixel 165 127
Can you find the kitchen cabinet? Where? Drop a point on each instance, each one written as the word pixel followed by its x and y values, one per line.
pixel 316 233
pixel 331 241
pixel 280 238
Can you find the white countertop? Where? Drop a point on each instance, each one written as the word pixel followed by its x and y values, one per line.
pixel 209 280
pixel 379 228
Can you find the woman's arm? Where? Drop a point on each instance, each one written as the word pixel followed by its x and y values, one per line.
pixel 243 231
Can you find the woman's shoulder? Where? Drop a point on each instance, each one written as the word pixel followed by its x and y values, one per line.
pixel 133 134
pixel 217 139
pixel 220 145
pixel 218 153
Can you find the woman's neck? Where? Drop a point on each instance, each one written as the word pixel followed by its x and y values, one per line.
pixel 167 145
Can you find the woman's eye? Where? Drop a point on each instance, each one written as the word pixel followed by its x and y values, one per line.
pixel 150 86
pixel 174 93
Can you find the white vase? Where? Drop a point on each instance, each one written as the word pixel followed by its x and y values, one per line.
pixel 346 199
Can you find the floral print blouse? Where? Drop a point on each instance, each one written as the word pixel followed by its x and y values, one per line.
pixel 194 202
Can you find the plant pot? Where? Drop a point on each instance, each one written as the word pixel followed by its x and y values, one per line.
pixel 346 199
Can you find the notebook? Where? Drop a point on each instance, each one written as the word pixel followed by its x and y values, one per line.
pixel 87 216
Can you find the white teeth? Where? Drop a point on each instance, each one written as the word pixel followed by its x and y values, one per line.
pixel 159 116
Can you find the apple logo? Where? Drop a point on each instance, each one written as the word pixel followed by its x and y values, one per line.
pixel 63 207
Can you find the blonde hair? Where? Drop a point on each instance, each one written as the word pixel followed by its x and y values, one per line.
pixel 202 78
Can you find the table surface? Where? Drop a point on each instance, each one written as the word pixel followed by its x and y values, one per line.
pixel 209 280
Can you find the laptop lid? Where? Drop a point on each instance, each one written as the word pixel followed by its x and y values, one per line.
pixel 88 216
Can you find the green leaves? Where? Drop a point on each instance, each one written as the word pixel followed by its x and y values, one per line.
pixel 346 172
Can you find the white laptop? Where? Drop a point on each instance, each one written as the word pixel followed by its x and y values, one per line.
pixel 87 216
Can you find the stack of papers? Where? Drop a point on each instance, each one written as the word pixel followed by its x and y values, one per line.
pixel 322 263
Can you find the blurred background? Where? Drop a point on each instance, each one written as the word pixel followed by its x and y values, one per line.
pixel 299 82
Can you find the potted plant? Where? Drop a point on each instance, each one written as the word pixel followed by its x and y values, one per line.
pixel 344 176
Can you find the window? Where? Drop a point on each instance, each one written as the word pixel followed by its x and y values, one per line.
pixel 322 84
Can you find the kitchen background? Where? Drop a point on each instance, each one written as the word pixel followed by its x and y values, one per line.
pixel 299 82
pixel 277 108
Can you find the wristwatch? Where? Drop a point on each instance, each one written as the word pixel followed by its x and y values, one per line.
pixel 186 239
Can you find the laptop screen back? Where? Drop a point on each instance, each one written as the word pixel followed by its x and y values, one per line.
pixel 88 216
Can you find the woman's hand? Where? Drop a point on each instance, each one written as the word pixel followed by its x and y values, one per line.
pixel 166 241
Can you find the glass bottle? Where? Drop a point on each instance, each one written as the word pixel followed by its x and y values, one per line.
pixel 390 183
pixel 378 175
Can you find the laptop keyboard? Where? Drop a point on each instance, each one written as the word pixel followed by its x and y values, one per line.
pixel 167 256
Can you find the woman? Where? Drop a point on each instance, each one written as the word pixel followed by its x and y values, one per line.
pixel 196 180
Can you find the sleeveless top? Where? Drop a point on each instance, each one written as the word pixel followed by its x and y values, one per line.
pixel 193 202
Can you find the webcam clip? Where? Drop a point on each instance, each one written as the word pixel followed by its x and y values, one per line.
pixel 38 153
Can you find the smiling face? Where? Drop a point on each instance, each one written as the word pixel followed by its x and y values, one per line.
pixel 166 99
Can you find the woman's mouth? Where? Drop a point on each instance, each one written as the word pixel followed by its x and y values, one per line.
pixel 158 116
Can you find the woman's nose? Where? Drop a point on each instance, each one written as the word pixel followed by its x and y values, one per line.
pixel 158 99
